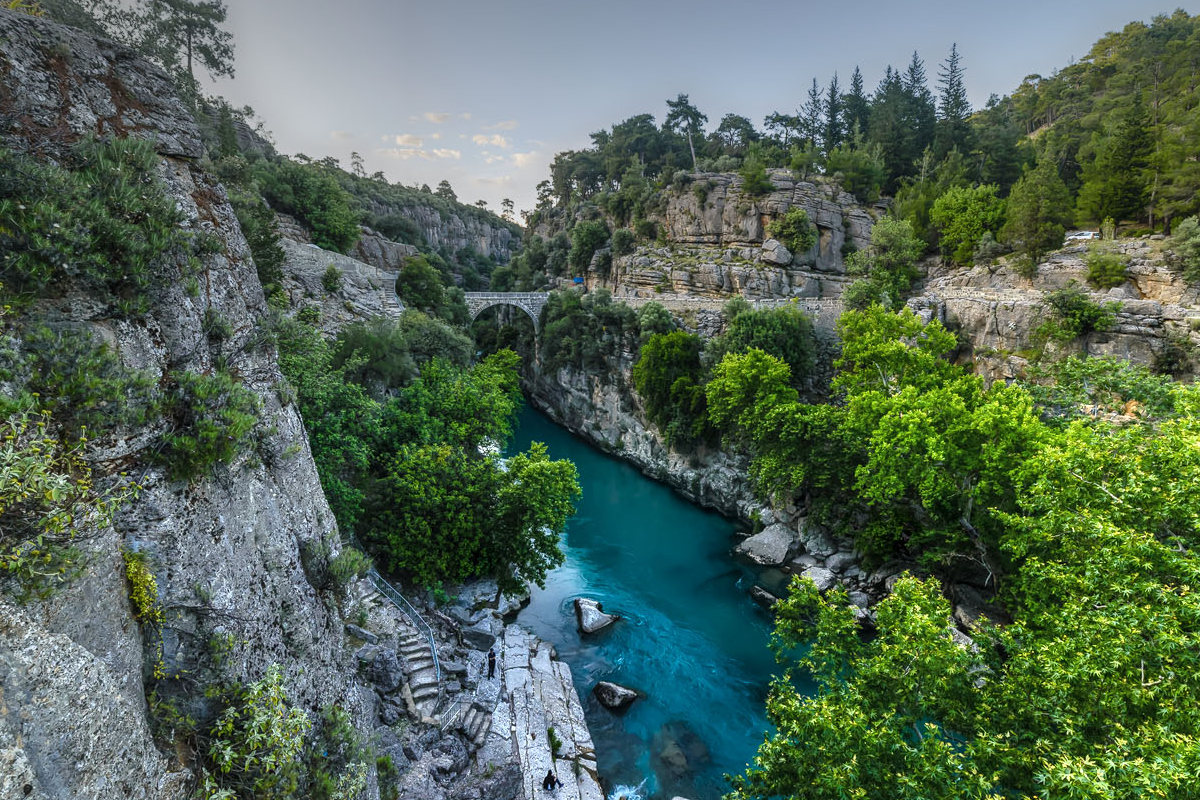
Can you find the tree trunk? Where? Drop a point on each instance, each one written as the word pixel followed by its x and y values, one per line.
pixel 693 149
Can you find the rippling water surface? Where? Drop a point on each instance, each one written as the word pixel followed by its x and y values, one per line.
pixel 691 638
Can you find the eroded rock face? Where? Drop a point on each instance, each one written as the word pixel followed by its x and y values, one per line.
pixel 591 617
pixel 614 696
pixel 225 549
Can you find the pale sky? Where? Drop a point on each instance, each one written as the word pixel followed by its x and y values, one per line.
pixel 484 94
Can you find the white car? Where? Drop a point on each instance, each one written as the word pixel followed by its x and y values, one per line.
pixel 1082 236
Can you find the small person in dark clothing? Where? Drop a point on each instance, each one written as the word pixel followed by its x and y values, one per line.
pixel 551 781
pixel 491 662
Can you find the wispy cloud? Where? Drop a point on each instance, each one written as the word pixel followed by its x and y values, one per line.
pixel 505 125
pixel 436 117
pixel 524 159
pixel 495 140
pixel 488 158
pixel 340 136
pixel 466 115
pixel 503 180
pixel 436 136
pixel 409 153
pixel 408 140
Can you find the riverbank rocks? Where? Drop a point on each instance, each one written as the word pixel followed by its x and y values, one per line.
pixel 823 578
pixel 614 696
pixel 591 616
pixel 768 548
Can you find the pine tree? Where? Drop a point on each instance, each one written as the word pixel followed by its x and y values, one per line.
pixel 833 115
pixel 920 111
pixel 684 117
pixel 890 129
pixel 189 31
pixel 1114 184
pixel 856 107
pixel 953 130
pixel 1039 209
pixel 812 115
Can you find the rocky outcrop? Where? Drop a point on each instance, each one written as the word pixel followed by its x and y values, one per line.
pixel 605 410
pixel 381 252
pixel 225 549
pixel 768 548
pixel 591 617
pixel 364 291
pixel 996 311
pixel 614 696
pixel 453 228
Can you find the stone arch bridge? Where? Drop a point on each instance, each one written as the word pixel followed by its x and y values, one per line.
pixel 531 303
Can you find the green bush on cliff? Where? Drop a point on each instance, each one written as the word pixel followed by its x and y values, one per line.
pixel 1185 245
pixel 313 195
pixel 795 231
pixel 785 332
pixel 586 239
pixel 211 418
pixel 102 217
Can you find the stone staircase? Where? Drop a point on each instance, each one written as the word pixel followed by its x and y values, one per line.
pixel 413 647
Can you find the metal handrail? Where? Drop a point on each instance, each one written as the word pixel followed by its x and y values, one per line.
pixel 401 602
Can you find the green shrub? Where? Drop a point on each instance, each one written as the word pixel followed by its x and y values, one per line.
pixel 313 195
pixel 255 747
pixel 348 565
pixel 309 314
pixel 1073 314
pixel 143 588
pixel 622 241
pixel 420 285
pixel 103 217
pixel 215 326
pixel 212 416
pixel 83 383
pixel 988 249
pixel 47 497
pixel 795 231
pixel 586 239
pixel 755 181
pixel 258 225
pixel 669 376
pixel 1106 268
pixel 784 332
pixel 645 229
pixel 962 215
pixel 332 279
pixel 1185 245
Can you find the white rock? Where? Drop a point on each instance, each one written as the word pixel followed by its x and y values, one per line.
pixel 591 617
pixel 773 252
pixel 768 548
pixel 823 578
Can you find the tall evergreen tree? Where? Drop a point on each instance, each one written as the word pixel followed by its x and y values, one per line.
pixel 834 132
pixel 812 115
pixel 889 128
pixel 856 108
pixel 685 118
pixel 1039 209
pixel 182 32
pixel 920 111
pixel 953 129
pixel 1114 183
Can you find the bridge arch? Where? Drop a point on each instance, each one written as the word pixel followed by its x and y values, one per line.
pixel 531 303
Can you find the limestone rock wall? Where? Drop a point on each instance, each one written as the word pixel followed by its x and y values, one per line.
pixel 996 311
pixel 225 549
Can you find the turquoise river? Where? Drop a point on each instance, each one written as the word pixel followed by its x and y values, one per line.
pixel 691 638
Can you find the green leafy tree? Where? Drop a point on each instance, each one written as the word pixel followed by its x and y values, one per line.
pixel 784 332
pixel 1185 246
pixel 755 181
pixel 1039 209
pixel 1114 183
pixel 669 377
pixel 419 284
pixel 859 168
pixel 446 191
pixel 313 194
pixel 963 215
pixel 586 239
pixel 888 267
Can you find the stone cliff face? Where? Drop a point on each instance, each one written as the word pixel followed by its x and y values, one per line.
pixel 456 230
pixel 995 311
pixel 225 549
pixel 718 244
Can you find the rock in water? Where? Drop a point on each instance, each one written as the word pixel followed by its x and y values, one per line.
pixel 591 617
pixel 614 696
pixel 768 548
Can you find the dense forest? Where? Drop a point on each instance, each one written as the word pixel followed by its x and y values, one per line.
pixel 1110 137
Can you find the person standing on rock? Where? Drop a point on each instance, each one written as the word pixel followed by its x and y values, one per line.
pixel 551 781
pixel 491 663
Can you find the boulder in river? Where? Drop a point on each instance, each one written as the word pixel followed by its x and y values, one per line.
pixel 614 696
pixel 768 548
pixel 591 616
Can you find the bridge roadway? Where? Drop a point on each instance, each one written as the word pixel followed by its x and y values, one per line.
pixel 823 310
